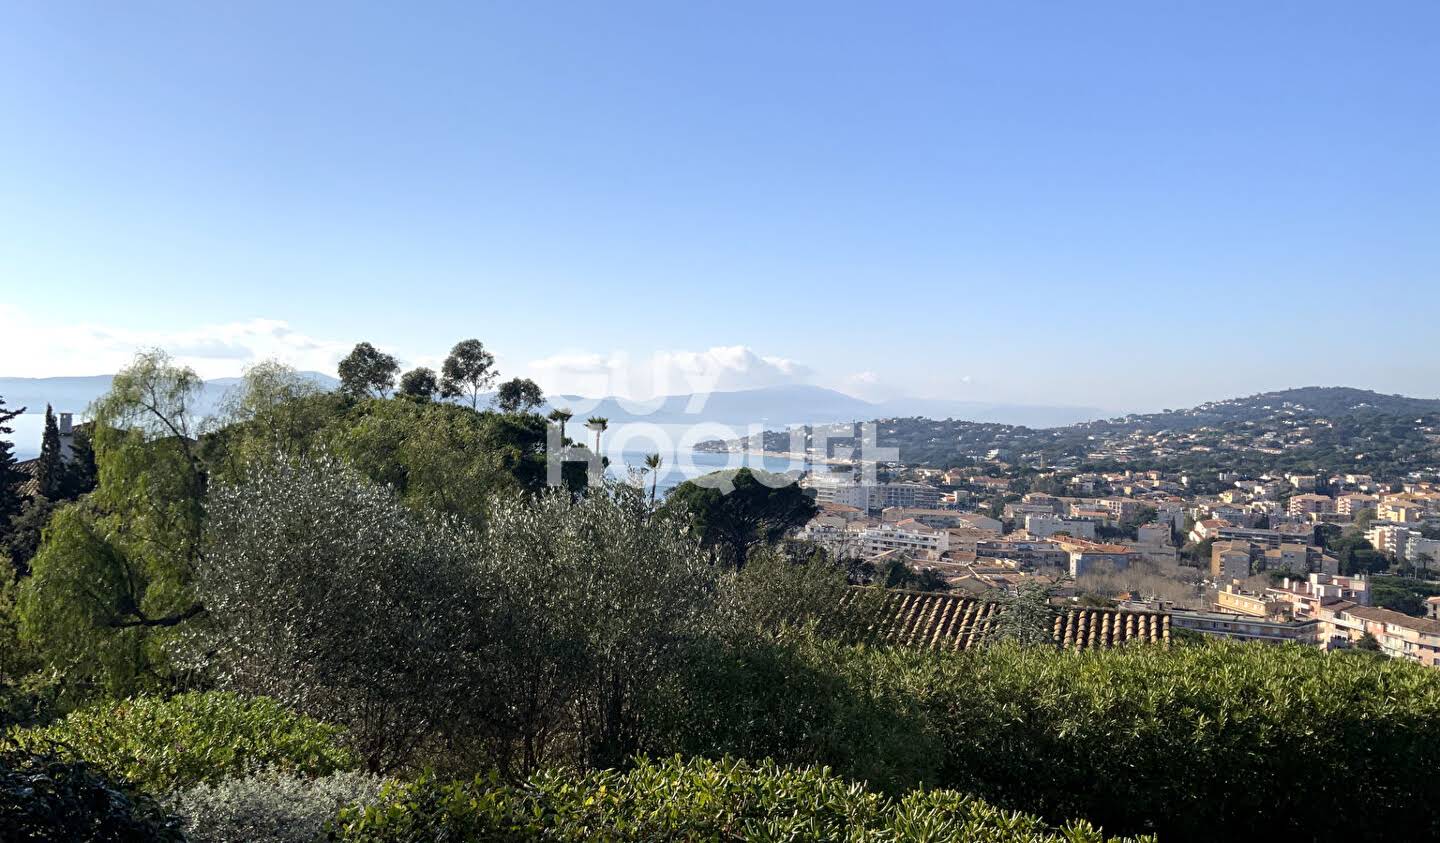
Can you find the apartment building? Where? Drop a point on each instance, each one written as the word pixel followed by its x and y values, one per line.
pixel 1353 505
pixel 872 498
pixel 1018 512
pixel 1056 505
pixel 1090 512
pixel 1306 597
pixel 1400 511
pixel 1230 560
pixel 1045 526
pixel 1232 598
pixel 1400 636
pixel 1291 558
pixel 1040 554
pixel 1302 482
pixel 1419 549
pixel 1310 505
pixel 1153 534
pixel 1121 508
pixel 1086 557
pixel 1389 538
pixel 1239 627
pixel 1283 534
pixel 942 518
pixel 908 536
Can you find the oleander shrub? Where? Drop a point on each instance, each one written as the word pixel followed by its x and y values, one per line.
pixel 162 744
pixel 687 800
pixel 270 808
pixel 44 798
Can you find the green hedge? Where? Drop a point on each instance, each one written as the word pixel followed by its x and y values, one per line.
pixel 163 744
pixel 695 800
pixel 1192 743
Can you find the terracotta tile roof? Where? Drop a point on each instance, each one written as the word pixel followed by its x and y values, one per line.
pixel 942 621
pixel 31 469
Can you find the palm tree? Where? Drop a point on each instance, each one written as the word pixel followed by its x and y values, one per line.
pixel 653 462
pixel 560 415
pixel 597 424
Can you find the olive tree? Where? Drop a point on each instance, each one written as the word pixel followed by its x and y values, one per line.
pixel 592 607
pixel 548 638
pixel 327 593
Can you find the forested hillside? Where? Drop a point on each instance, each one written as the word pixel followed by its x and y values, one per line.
pixel 1312 429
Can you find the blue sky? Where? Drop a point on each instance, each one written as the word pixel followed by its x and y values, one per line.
pixel 1127 205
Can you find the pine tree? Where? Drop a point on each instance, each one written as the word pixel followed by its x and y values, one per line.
pixel 10 477
pixel 50 470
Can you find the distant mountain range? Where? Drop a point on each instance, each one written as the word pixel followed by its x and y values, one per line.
pixel 74 394
pixel 775 406
pixel 780 406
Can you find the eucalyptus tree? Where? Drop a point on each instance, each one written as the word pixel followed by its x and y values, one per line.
pixel 468 370
pixel 420 383
pixel 368 371
pixel 519 395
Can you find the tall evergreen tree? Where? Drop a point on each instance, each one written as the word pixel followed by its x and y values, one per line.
pixel 50 470
pixel 10 477
pixel 80 471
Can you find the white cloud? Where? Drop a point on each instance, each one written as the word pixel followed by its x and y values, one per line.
pixel 869 385
pixel 222 350
pixel 718 369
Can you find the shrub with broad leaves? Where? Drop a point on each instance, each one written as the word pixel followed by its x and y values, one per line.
pixel 44 798
pixel 687 800
pixel 164 744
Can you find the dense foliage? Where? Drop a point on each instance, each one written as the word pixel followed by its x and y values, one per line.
pixel 163 744
pixel 270 808
pixel 737 510
pixel 532 642
pixel 1402 594
pixel 1191 742
pixel 110 588
pixel 46 800
pixel 698 800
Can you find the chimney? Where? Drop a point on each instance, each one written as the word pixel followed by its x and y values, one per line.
pixel 65 424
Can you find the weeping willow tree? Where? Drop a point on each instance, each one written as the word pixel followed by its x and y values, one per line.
pixel 113 573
